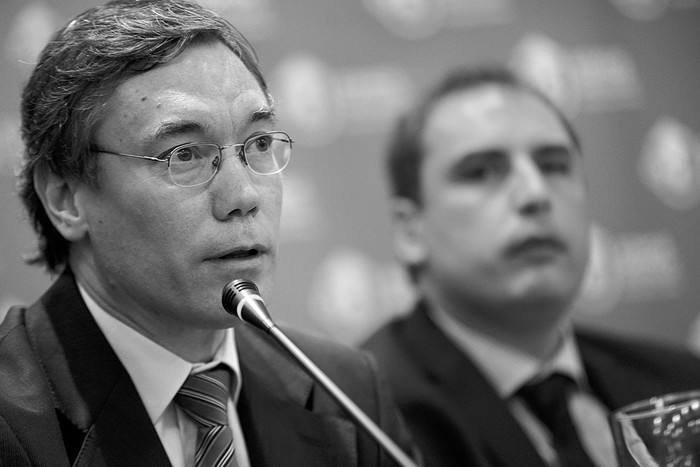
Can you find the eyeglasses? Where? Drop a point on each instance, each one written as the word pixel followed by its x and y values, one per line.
pixel 193 164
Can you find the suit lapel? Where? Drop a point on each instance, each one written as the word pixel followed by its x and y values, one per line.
pixel 274 408
pixel 475 407
pixel 106 420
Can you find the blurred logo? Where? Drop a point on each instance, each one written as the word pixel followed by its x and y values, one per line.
pixel 641 10
pixel 352 294
pixel 669 164
pixel 546 65
pixel 629 268
pixel 319 103
pixel 648 10
pixel 418 19
pixel 590 79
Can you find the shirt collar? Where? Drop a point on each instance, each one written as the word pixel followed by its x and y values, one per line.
pixel 140 356
pixel 504 366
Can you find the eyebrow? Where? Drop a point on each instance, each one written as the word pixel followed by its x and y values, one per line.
pixel 262 114
pixel 178 127
pixel 549 147
pixel 470 156
pixel 486 152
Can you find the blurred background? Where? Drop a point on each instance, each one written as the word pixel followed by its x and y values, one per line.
pixel 626 71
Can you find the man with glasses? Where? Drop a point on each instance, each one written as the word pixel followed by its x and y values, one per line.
pixel 152 175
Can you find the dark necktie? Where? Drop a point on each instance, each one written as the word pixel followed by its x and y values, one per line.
pixel 548 401
pixel 204 397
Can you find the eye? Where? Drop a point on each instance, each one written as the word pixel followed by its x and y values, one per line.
pixel 187 154
pixel 481 167
pixel 260 144
pixel 554 160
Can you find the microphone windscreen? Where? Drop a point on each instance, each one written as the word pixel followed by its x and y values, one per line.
pixel 240 297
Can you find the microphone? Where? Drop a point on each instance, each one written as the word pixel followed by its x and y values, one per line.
pixel 240 297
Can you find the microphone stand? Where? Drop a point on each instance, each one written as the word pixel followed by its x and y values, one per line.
pixel 240 297
pixel 352 409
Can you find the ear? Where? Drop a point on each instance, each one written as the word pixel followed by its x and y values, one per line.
pixel 58 196
pixel 408 227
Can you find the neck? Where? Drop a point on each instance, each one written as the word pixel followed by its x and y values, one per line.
pixel 537 338
pixel 195 346
pixel 187 342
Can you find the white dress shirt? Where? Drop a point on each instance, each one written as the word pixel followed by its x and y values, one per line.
pixel 508 369
pixel 140 356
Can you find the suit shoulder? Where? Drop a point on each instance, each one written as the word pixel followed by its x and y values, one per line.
pixel 632 345
pixel 13 322
pixel 635 351
pixel 393 347
pixel 387 338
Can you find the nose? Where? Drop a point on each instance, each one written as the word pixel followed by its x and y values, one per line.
pixel 234 190
pixel 530 190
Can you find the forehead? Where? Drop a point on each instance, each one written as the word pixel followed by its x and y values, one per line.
pixel 495 113
pixel 207 83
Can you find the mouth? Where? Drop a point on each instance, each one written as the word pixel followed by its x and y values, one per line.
pixel 546 245
pixel 242 254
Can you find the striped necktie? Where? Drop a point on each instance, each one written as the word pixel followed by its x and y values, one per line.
pixel 204 397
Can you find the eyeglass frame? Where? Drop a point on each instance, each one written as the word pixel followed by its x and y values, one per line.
pixel 167 155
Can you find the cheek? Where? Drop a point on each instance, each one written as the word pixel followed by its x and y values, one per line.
pixel 470 213
pixel 171 224
pixel 133 217
pixel 124 227
pixel 459 230
pixel 272 195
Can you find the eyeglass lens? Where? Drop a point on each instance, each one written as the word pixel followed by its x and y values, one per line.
pixel 195 164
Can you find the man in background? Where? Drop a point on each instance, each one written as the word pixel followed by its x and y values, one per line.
pixel 152 175
pixel 490 218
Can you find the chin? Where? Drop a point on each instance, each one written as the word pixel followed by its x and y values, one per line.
pixel 552 298
pixel 550 293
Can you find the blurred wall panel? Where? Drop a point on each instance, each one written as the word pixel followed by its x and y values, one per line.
pixel 626 71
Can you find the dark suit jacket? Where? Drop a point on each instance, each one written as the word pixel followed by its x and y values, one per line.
pixel 457 418
pixel 66 399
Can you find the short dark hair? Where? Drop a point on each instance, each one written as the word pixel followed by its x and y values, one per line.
pixel 76 73
pixel 405 154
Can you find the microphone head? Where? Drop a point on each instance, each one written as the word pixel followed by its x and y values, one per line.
pixel 241 298
pixel 231 294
